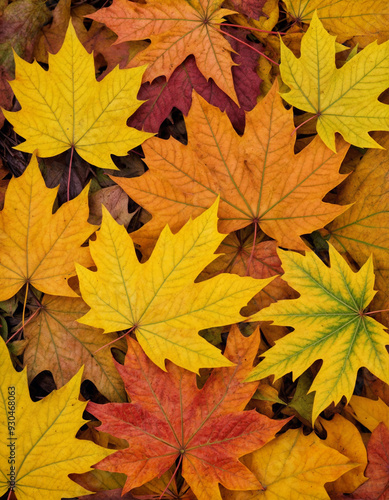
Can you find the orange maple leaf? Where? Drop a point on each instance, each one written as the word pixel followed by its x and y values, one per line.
pixel 170 418
pixel 177 29
pixel 258 176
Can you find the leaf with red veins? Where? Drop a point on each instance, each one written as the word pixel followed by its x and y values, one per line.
pixel 177 29
pixel 170 418
pixel 162 95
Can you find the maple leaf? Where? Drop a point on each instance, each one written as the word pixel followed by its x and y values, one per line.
pixel 258 176
pixel 346 99
pixel 177 29
pixel 343 436
pixel 20 23
pixel 250 8
pixel 162 95
pixel 170 418
pixel 56 342
pixel 329 324
pixel 364 228
pixel 66 107
pixel 369 412
pixel 364 20
pixel 159 299
pixel 302 466
pixel 377 470
pixel 38 448
pixel 38 247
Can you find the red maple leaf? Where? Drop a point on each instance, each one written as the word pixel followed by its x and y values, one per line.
pixel 169 418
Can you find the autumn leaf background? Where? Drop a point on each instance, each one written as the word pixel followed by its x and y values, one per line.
pixel 194 249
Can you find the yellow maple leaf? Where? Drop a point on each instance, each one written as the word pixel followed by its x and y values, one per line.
pixel 293 466
pixel 343 436
pixel 36 246
pixel 38 448
pixel 369 412
pixel 66 107
pixel 345 99
pixel 329 325
pixel 159 298
pixel 365 20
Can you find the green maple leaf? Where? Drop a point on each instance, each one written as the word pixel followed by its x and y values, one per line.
pixel 329 324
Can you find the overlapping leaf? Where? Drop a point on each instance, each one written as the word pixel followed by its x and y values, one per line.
pixel 38 448
pixel 161 95
pixel 159 299
pixel 36 246
pixel 365 20
pixel 66 107
pixel 56 342
pixel 377 487
pixel 258 176
pixel 364 228
pixel 345 99
pixel 177 29
pixel 329 324
pixel 170 418
pixel 293 466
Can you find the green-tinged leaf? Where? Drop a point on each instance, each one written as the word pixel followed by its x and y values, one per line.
pixel 345 99
pixel 329 325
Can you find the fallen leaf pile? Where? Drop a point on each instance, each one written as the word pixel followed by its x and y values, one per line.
pixel 194 248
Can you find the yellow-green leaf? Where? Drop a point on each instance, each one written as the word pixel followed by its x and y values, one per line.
pixel 364 228
pixel 38 448
pixel 36 246
pixel 159 298
pixel 66 107
pixel 329 324
pixel 345 99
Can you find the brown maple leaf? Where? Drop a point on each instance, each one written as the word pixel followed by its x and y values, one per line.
pixel 169 418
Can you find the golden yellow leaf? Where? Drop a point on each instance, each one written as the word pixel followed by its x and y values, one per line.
pixel 344 437
pixel 66 107
pixel 38 448
pixel 363 20
pixel 293 467
pixel 345 99
pixel 369 412
pixel 37 246
pixel 159 299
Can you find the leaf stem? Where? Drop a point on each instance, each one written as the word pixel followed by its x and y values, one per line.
pixel 171 479
pixel 375 312
pixel 247 45
pixel 70 172
pixel 304 122
pixel 249 28
pixel 24 324
pixel 115 340
pixel 252 249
